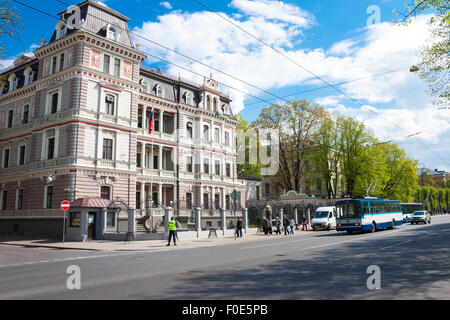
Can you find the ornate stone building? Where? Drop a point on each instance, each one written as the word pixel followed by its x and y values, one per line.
pixel 74 123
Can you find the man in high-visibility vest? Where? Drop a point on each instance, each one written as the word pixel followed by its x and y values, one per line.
pixel 172 232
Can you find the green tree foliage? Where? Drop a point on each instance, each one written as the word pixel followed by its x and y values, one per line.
pixel 248 169
pixel 434 57
pixel 296 123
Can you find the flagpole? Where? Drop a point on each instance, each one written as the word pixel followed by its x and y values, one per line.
pixel 152 116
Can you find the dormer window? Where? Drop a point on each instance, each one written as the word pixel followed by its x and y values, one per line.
pixel 13 82
pixel 159 91
pixel 188 98
pixel 61 31
pixel 112 33
pixel 29 76
pixel 144 85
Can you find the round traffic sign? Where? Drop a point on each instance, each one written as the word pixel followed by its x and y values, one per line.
pixel 65 205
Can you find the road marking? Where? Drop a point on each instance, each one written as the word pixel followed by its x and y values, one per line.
pixel 397 244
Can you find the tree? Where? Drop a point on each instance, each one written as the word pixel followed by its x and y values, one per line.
pixel 9 22
pixel 296 123
pixel 247 169
pixel 434 58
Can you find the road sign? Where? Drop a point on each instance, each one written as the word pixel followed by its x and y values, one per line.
pixel 65 205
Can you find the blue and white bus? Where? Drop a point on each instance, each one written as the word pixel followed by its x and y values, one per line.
pixel 368 214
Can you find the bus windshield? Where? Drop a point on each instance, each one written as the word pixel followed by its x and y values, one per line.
pixel 321 214
pixel 349 210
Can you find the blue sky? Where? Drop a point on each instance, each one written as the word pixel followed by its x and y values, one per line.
pixel 330 38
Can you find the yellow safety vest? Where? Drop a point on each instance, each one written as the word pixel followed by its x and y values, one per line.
pixel 172 225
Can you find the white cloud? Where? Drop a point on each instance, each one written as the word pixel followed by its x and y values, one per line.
pixel 166 5
pixel 275 10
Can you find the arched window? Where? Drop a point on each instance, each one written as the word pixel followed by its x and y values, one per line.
pixel 208 103
pixel 159 91
pixel 112 34
pixel 61 31
pixel 187 98
pixel 215 105
pixel 29 76
pixel 206 133
pixel 189 131
pixel 144 85
pixel 13 82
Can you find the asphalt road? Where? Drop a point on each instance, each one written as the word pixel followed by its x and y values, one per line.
pixel 414 261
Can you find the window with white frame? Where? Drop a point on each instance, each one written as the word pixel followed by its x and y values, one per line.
pixel 61 62
pixel 217 167
pixel 205 132
pixel 214 104
pixel 227 138
pixel 50 147
pixel 13 82
pixel 48 197
pixel 208 103
pixel 6 153
pixel 189 130
pixel 21 158
pixel 217 135
pixel 117 67
pixel 228 169
pixel 112 34
pixel 107 149
pixel 54 101
pixel 189 164
pixel 110 104
pixel 29 76
pixel 19 199
pixel 144 85
pixel 188 98
pixel 61 31
pixel 159 91
pixel 206 166
pixel 25 113
pixel 106 63
pixel 54 65
pixel 10 119
pixel 105 192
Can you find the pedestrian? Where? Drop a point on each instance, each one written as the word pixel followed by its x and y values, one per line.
pixel 292 223
pixel 304 225
pixel 172 232
pixel 286 226
pixel 239 228
pixel 268 211
pixel 269 226
pixel 264 224
pixel 278 225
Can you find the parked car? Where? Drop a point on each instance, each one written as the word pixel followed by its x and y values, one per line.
pixel 421 216
pixel 324 219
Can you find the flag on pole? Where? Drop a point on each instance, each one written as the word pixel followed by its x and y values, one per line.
pixel 150 122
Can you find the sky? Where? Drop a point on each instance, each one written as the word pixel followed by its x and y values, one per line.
pixel 338 41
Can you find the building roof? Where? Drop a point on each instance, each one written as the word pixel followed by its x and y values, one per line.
pixel 95 202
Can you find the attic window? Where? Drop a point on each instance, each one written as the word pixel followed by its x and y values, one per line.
pixel 61 31
pixel 144 85
pixel 159 91
pixel 13 82
pixel 187 98
pixel 111 33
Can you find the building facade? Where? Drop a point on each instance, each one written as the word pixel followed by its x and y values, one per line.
pixel 74 123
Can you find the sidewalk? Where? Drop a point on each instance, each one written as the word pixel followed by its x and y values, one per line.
pixel 151 245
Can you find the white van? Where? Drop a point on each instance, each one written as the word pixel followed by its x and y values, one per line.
pixel 324 219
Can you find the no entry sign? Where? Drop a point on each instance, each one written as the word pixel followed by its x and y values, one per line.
pixel 65 205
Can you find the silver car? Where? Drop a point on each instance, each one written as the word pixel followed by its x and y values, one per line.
pixel 420 216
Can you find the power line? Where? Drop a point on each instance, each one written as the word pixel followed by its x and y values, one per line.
pixel 312 73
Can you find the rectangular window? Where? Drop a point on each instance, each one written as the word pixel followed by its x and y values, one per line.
pixel 227 139
pixel 188 200
pixel 10 118
pixel 75 219
pixel 107 149
pixel 19 199
pixel 217 135
pixel 189 164
pixel 54 62
pixel 217 168
pixel 267 188
pixel 106 60
pixel 227 202
pixel 54 103
pixel 25 114
pixel 21 155
pixel 49 198
pixel 228 169
pixel 4 199
pixel 6 158
pixel 61 62
pixel 217 201
pixel 138 160
pixel 50 148
pixel 117 67
pixel 205 133
pixel 206 166
pixel 206 201
pixel 257 193
pixel 110 219
pixel 105 192
pixel 109 104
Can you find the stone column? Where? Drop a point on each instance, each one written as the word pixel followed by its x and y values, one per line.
pixel 245 218
pixel 309 215
pixel 84 223
pixel 144 119
pixel 160 158
pixel 160 188
pixel 161 123
pixel 223 218
pixel 143 198
pixel 295 216
pixel 131 220
pixel 281 215
pixel 103 222
pixel 198 220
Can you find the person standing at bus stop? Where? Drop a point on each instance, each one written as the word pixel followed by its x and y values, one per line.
pixel 172 232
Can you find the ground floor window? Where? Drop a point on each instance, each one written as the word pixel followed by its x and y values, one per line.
pixel 75 219
pixel 110 219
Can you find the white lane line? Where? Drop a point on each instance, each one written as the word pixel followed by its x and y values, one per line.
pixel 397 244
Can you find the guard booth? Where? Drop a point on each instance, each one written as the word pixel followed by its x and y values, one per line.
pixel 90 218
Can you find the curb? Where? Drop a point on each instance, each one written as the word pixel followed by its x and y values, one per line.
pixel 51 247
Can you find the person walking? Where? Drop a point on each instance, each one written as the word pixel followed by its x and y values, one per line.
pixel 268 210
pixel 172 232
pixel 292 223
pixel 239 228
pixel 278 225
pixel 304 225
pixel 264 225
pixel 286 225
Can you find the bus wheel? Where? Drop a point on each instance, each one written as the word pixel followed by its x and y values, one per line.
pixel 349 231
pixel 373 228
